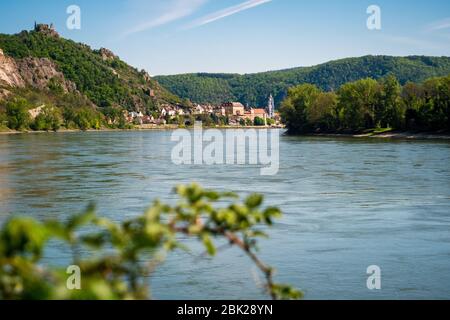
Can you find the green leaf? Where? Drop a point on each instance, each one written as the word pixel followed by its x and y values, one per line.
pixel 286 292
pixel 209 245
pixel 82 219
pixel 24 237
pixel 254 200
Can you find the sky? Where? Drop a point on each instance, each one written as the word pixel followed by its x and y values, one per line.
pixel 240 36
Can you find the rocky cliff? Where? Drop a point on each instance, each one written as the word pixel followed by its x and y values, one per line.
pixel 9 72
pixel 39 73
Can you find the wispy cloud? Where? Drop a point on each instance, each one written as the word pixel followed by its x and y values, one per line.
pixel 178 9
pixel 439 25
pixel 227 12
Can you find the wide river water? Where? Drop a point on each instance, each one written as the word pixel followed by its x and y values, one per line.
pixel 347 203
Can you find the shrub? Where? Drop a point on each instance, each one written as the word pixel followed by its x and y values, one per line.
pixel 123 255
pixel 49 119
pixel 259 122
pixel 17 114
pixel 87 118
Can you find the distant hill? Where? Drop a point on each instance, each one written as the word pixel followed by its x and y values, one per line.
pixel 42 60
pixel 254 89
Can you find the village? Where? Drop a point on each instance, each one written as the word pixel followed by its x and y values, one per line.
pixel 229 114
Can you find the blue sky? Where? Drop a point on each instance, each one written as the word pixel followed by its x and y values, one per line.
pixel 243 36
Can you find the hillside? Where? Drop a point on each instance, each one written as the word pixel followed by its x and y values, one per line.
pixel 254 89
pixel 41 60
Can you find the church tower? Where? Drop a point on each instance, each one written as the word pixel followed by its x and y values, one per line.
pixel 271 107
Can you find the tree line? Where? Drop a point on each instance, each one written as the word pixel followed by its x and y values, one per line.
pixel 254 89
pixel 369 104
pixel 66 110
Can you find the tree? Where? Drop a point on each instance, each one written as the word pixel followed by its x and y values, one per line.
pixel 68 114
pixel 87 118
pixel 413 99
pixel 259 122
pixel 3 119
pixel 388 109
pixel 366 104
pixel 50 118
pixel 294 109
pixel 357 104
pixel 113 115
pixel 17 114
pixel 437 97
pixel 122 256
pixel 323 114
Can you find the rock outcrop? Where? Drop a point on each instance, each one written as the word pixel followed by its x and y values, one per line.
pixel 35 72
pixel 38 72
pixel 9 72
pixel 107 54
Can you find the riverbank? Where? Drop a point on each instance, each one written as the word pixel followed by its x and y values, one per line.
pixel 389 135
pixel 381 135
pixel 7 132
pixel 136 128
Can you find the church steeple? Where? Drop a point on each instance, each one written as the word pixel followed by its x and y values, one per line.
pixel 271 107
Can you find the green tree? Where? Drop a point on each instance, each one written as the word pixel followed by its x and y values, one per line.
pixel 437 97
pixel 17 114
pixel 294 109
pixel 114 117
pixel 50 118
pixel 87 118
pixel 55 86
pixel 259 122
pixel 323 114
pixel 3 119
pixel 389 109
pixel 68 114
pixel 366 104
pixel 357 104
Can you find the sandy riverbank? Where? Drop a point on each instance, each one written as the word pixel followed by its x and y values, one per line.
pixel 390 135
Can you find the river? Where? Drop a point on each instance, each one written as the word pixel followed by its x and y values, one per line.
pixel 347 203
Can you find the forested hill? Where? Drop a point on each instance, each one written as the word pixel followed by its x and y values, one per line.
pixel 99 75
pixel 254 89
